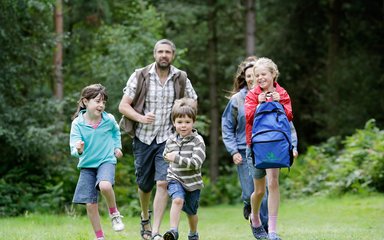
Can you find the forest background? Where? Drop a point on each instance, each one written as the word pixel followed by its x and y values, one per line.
pixel 329 53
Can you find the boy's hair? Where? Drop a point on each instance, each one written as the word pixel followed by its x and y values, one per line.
pixel 165 41
pixel 184 107
pixel 269 64
pixel 90 92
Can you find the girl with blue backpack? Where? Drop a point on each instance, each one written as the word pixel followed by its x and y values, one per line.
pixel 267 89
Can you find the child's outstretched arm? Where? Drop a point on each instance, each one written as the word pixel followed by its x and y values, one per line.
pixel 76 143
pixel 198 156
pixel 167 151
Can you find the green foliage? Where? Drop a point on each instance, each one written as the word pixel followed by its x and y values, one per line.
pixel 355 165
pixel 126 187
pixel 226 190
pixel 106 40
pixel 109 53
pixel 31 138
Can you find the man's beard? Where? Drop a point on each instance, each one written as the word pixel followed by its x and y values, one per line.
pixel 163 66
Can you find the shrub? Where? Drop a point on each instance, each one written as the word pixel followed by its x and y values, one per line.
pixel 355 164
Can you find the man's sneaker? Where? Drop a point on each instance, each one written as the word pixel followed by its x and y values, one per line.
pixel 171 235
pixel 117 223
pixel 247 210
pixel 273 236
pixel 194 237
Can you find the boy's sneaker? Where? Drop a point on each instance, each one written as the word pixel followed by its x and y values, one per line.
pixel 273 236
pixel 171 235
pixel 101 238
pixel 117 223
pixel 193 237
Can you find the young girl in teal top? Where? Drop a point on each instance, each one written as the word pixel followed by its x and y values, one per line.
pixel 95 139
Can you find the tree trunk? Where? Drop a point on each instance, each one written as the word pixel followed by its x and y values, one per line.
pixel 334 34
pixel 214 112
pixel 250 27
pixel 332 94
pixel 58 56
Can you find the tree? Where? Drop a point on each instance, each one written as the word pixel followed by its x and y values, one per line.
pixel 58 58
pixel 250 27
pixel 212 74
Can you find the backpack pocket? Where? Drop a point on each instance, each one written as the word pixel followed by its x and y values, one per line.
pixel 271 150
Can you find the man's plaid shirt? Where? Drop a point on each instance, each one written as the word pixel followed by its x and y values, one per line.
pixel 159 100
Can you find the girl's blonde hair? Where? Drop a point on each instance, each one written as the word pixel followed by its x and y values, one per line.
pixel 184 107
pixel 90 92
pixel 269 64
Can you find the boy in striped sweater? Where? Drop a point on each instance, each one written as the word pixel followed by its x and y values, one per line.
pixel 185 152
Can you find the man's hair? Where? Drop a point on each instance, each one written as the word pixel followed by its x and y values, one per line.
pixel 165 41
pixel 184 107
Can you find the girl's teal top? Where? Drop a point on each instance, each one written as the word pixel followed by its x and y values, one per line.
pixel 99 143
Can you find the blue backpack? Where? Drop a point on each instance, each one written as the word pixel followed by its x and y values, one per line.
pixel 271 141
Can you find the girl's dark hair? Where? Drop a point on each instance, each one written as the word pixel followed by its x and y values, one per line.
pixel 239 80
pixel 90 92
pixel 184 107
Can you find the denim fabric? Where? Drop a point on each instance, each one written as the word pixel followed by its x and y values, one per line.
pixel 88 184
pixel 149 164
pixel 246 180
pixel 191 199
pixel 255 172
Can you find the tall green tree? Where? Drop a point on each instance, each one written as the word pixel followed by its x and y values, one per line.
pixel 31 138
pixel 58 57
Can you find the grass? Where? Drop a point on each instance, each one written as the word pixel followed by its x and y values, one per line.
pixel 346 218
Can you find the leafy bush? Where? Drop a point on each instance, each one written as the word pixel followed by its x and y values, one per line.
pixel 226 190
pixel 355 164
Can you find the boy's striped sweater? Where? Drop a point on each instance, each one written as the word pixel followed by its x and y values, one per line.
pixel 186 168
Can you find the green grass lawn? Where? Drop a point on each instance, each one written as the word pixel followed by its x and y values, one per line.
pixel 350 217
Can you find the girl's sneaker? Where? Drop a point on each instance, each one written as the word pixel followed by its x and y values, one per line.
pixel 259 232
pixel 273 236
pixel 193 237
pixel 117 222
pixel 171 235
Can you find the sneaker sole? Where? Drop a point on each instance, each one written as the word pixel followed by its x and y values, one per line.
pixel 168 236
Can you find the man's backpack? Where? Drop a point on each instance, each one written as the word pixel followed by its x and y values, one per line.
pixel 142 75
pixel 271 137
